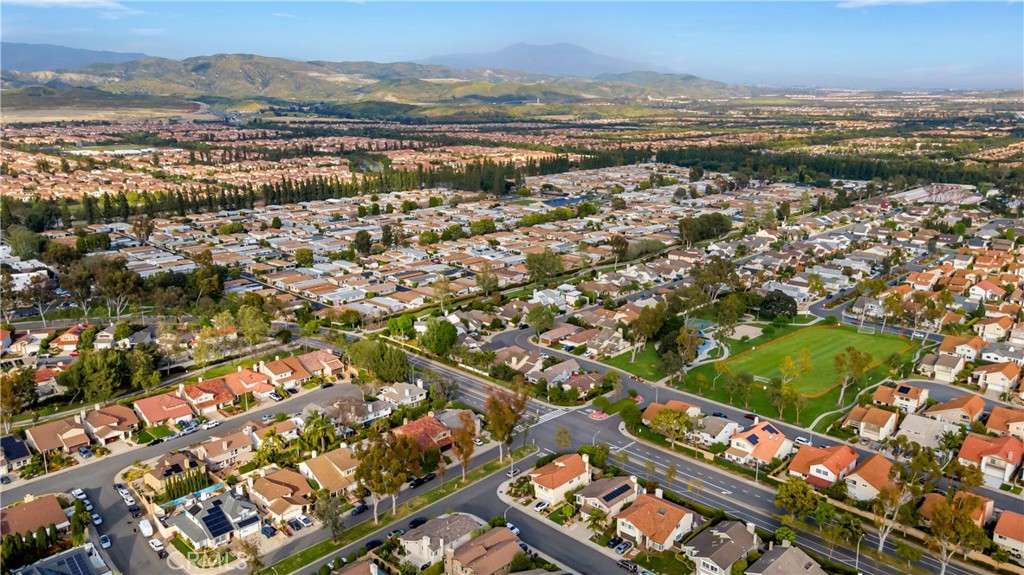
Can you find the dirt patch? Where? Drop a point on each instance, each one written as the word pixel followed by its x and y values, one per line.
pixel 751 331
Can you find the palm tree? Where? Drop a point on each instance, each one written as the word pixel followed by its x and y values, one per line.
pixel 319 431
pixel 270 448
pixel 596 519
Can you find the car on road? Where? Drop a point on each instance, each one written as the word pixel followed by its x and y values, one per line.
pixel 267 417
pixel 326 385
pixel 802 440
pixel 917 334
pixel 373 544
pixel 541 506
pixel 750 416
pixel 360 509
pixel 104 541
pixel 187 430
pixel 512 528
pixel 96 519
pixel 156 441
pixel 513 472
pixel 416 482
pixel 275 396
pixel 268 531
pixel 305 521
pixel 417 522
pixel 614 542
pixel 211 424
pixel 621 548
pixel 626 565
pixel 396 533
pixel 719 414
pixel 156 545
pixel 79 494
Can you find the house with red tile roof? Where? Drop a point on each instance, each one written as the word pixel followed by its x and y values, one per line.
pixel 284 493
pixel 166 408
pixel 111 423
pixel 997 377
pixel 761 443
pixel 872 422
pixel 652 410
pixel 428 432
pixel 68 341
pixel 908 398
pixel 566 473
pixel 244 381
pixel 965 347
pixel 993 328
pixel 986 291
pixel 963 410
pixel 869 478
pixel 207 396
pixel 1009 533
pixel 823 466
pixel 653 523
pixel 981 512
pixel 999 458
pixel 1005 421
pixel 286 372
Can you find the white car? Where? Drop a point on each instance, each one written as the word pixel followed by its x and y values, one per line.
pixel 211 424
pixel 146 528
pixel 104 541
pixel 478 441
pixel 156 545
pixel 129 500
pixel 512 528
pixel 540 506
pixel 513 472
pixel 802 440
pixel 96 519
pixel 79 494
pixel 305 521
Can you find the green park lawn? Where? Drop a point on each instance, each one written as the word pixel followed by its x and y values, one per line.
pixel 647 365
pixel 764 356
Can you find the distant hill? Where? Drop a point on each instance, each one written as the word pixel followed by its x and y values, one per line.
pixel 38 57
pixel 552 59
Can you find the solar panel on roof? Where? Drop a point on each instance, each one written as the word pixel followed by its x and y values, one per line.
pixel 611 495
pixel 216 522
pixel 76 565
pixel 770 429
pixel 903 389
pixel 753 439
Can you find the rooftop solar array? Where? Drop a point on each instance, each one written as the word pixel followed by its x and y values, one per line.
pixel 770 429
pixel 752 439
pixel 611 495
pixel 77 565
pixel 216 522
pixel 903 389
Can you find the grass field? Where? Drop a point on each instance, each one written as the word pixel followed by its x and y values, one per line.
pixel 763 355
pixel 647 365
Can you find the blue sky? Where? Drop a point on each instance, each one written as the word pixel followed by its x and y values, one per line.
pixel 851 43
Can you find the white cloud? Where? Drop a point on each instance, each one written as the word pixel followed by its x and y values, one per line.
pixel 285 15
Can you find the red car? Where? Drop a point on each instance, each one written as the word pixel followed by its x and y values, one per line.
pixel 74 353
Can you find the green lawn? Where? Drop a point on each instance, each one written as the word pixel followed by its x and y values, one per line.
pixel 665 563
pixel 824 344
pixel 151 433
pixel 647 365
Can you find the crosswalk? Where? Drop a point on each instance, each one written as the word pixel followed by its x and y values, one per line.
pixel 553 414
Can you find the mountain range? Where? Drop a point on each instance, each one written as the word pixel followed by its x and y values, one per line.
pixel 235 78
pixel 39 57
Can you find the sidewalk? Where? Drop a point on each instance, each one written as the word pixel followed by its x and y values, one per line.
pixel 578 531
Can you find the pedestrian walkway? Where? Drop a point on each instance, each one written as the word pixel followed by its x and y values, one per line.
pixel 544 418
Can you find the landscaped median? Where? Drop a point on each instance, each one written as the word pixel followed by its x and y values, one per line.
pixel 324 548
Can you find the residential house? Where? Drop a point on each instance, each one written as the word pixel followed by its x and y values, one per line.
pixel 428 543
pixel 997 377
pixel 653 523
pixel 869 478
pixel 489 554
pixel 555 335
pixel 244 381
pixel 334 471
pixel 111 423
pixel 714 430
pixel 403 394
pixel 14 454
pixel 1005 421
pixel 322 363
pixel 981 513
pixel 207 396
pixel 759 444
pixel 452 419
pixel 284 493
pixel 556 373
pixel 999 458
pixel 944 368
pixel 1000 352
pixel 925 431
pixel 288 373
pixel 993 328
pixel 81 560
pixel 235 448
pixel 1009 533
pixel 652 410
pixel 428 432
pixel 823 466
pixel 785 559
pixel 872 422
pixel 67 342
pixel 169 466
pixel 963 410
pixel 553 481
pixel 105 338
pixel 965 347
pixel 908 398
pixel 716 549
pixel 216 521
pixel 65 435
pixel 164 409
pixel 608 494
pixel 32 513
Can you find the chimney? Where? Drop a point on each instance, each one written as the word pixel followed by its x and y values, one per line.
pixel 771 545
pixel 200 379
pixel 181 388
pixel 81 417
pixel 786 543
pixel 750 528
pixel 659 493
pixel 313 454
pixel 586 462
pixel 239 370
pixel 636 485
pixel 277 358
pixel 405 421
pixel 757 420
pixel 419 381
pixel 430 413
pixel 97 406
pixel 407 392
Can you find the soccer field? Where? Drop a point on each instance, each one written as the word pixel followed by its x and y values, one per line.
pixel 823 343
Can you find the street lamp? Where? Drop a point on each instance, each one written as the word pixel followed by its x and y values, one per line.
pixel 856 561
pixel 593 441
pixel 505 514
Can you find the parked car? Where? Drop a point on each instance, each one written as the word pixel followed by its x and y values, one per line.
pixel 541 506
pixel 146 528
pixel 750 416
pixel 211 424
pixel 429 477
pixel 79 494
pixel 627 565
pixel 295 525
pixel 326 385
pixel 88 504
pixel 513 472
pixel 267 417
pixel 156 545
pixel 802 440
pixel 719 414
pixel 268 531
pixel 120 487
pixel 524 547
pixel 396 533
pixel 360 509
pixel 96 519
pixel 305 521
pixel 156 441
pixel 478 441
pixel 162 554
pixel 613 542
pixel 104 541
pixel 84 452
pixel 135 510
pixel 274 395
pixel 417 522
pixel 512 528
pixel 5 480
pixel 187 430
pixel 129 500
pixel 373 544
pixel 621 548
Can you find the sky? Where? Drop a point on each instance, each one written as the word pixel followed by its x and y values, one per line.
pixel 899 44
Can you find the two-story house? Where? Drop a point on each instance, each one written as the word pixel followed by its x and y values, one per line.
pixel 999 458
pixel 872 422
pixel 963 410
pixel 283 493
pixel 235 448
pixel 111 423
pixel 288 372
pixel 553 481
pixel 403 394
pixel 67 342
pixel 823 466
pixel 489 554
pixel 207 396
pixel 965 347
pixel 652 410
pixel 993 328
pixel 908 398
pixel 997 377
pixel 428 543
pixel 1009 533
pixel 334 471
pixel 759 444
pixel 216 521
pixel 428 433
pixel 1005 421
pixel 653 523
pixel 715 430
pixel 716 549
pixel 608 495
pixel 869 478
